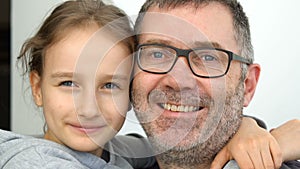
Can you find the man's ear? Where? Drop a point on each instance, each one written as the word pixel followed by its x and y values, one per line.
pixel 35 83
pixel 250 82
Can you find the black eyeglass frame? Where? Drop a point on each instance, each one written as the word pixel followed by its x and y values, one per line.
pixel 185 53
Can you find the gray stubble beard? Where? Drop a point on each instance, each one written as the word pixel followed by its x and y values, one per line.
pixel 200 153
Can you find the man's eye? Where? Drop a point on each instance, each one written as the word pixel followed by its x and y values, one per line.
pixel 68 83
pixel 157 55
pixel 208 58
pixel 111 86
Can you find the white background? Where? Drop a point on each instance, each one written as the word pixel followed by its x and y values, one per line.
pixel 275 27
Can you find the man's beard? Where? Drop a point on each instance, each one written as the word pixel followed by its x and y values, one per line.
pixel 190 142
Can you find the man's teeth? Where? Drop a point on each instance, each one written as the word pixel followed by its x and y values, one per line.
pixel 180 108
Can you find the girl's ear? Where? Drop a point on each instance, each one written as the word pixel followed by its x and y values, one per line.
pixel 35 83
pixel 250 83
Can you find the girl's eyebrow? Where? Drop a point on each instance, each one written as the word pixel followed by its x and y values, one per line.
pixel 62 74
pixel 72 74
pixel 117 76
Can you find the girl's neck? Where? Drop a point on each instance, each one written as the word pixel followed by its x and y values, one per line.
pixel 49 136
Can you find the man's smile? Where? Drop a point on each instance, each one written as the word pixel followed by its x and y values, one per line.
pixel 179 108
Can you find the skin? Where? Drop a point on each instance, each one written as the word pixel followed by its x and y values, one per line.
pixel 84 107
pixel 288 132
pixel 251 147
pixel 173 133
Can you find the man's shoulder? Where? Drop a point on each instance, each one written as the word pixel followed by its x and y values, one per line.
pixel 291 165
pixel 286 165
pixel 231 165
pixel 134 148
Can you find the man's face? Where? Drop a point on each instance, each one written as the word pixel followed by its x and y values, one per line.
pixel 178 110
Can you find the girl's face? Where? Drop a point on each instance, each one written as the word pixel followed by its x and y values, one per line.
pixel 84 89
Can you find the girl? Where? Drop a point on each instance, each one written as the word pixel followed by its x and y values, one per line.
pixel 79 65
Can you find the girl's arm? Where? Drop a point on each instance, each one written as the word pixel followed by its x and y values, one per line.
pixel 251 147
pixel 288 138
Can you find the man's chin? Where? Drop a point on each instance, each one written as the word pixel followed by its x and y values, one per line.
pixel 178 140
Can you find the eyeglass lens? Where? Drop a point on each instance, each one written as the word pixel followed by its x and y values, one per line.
pixel 203 62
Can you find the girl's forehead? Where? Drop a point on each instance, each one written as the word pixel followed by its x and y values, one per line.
pixel 86 51
pixel 63 32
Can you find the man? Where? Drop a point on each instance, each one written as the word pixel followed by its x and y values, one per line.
pixel 194 75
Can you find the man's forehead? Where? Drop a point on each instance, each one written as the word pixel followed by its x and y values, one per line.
pixel 185 11
pixel 190 25
pixel 165 26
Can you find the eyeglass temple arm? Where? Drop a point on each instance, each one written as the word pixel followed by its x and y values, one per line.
pixel 241 59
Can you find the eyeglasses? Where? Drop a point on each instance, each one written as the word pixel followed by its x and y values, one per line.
pixel 204 62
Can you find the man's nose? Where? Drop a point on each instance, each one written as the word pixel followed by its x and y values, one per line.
pixel 180 77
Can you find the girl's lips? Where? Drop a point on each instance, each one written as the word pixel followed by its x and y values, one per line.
pixel 86 128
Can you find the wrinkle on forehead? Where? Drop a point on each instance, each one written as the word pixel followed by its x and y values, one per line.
pixel 166 25
pixel 212 22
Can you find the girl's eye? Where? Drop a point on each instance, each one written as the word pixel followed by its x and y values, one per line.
pixel 68 83
pixel 111 86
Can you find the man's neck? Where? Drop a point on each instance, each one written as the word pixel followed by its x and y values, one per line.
pixel 173 166
pixel 174 163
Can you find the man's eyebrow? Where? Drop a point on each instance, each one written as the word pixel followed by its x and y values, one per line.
pixel 206 44
pixel 194 44
pixel 158 41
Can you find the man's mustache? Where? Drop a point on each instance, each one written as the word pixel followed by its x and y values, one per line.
pixel 186 97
